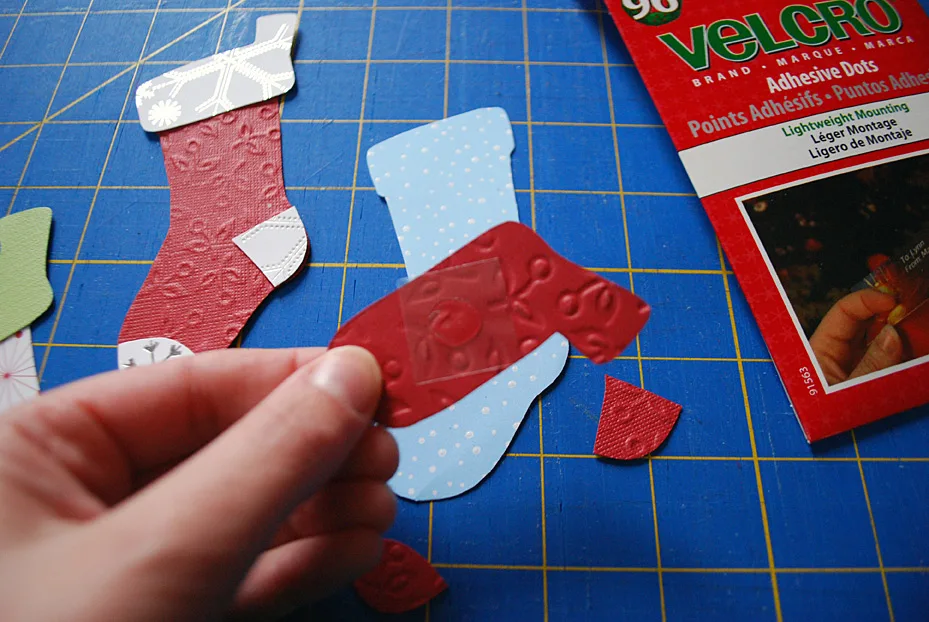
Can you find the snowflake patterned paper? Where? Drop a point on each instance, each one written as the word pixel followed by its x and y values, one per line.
pixel 18 379
pixel 455 449
pixel 222 82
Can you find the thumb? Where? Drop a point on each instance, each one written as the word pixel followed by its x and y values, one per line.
pixel 885 351
pixel 228 500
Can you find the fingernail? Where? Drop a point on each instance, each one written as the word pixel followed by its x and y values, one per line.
pixel 885 338
pixel 351 376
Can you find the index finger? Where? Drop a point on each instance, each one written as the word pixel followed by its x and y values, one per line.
pixel 107 428
pixel 844 320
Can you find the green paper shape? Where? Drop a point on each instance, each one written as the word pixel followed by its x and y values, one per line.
pixel 25 292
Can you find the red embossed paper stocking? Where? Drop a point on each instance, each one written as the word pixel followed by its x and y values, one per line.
pixel 633 421
pixel 489 304
pixel 233 237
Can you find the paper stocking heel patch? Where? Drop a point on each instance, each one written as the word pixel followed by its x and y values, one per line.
pixel 25 292
pixel 223 82
pixel 233 237
pixel 402 581
pixel 452 451
pixel 18 379
pixel 277 246
pixel 633 421
pixel 494 301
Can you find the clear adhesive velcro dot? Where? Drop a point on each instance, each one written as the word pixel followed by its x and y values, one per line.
pixel 457 322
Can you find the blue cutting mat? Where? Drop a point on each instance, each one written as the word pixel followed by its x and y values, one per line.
pixel 734 518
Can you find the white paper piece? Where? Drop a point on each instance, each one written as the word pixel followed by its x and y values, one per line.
pixel 18 379
pixel 149 351
pixel 223 82
pixel 277 246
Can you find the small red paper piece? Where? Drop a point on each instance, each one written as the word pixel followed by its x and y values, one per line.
pixel 402 581
pixel 633 421
pixel 449 331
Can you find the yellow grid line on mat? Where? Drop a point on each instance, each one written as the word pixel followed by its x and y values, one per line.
pixel 369 188
pixel 9 37
pixel 222 28
pixel 428 611
pixel 347 61
pixel 93 202
pixel 692 359
pixel 354 188
pixel 48 108
pixel 686 359
pixel 462 61
pixel 271 9
pixel 630 271
pixel 132 67
pixel 351 121
pixel 527 72
pixel 877 544
pixel 685 570
pixel 559 456
pixel 772 567
pixel 101 63
pixel 348 264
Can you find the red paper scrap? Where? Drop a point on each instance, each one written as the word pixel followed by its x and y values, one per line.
pixel 452 329
pixel 402 581
pixel 633 421
pixel 225 178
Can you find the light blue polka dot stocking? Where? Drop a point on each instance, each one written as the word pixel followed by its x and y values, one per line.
pixel 445 184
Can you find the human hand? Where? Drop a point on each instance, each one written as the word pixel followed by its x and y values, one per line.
pixel 839 341
pixel 239 482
